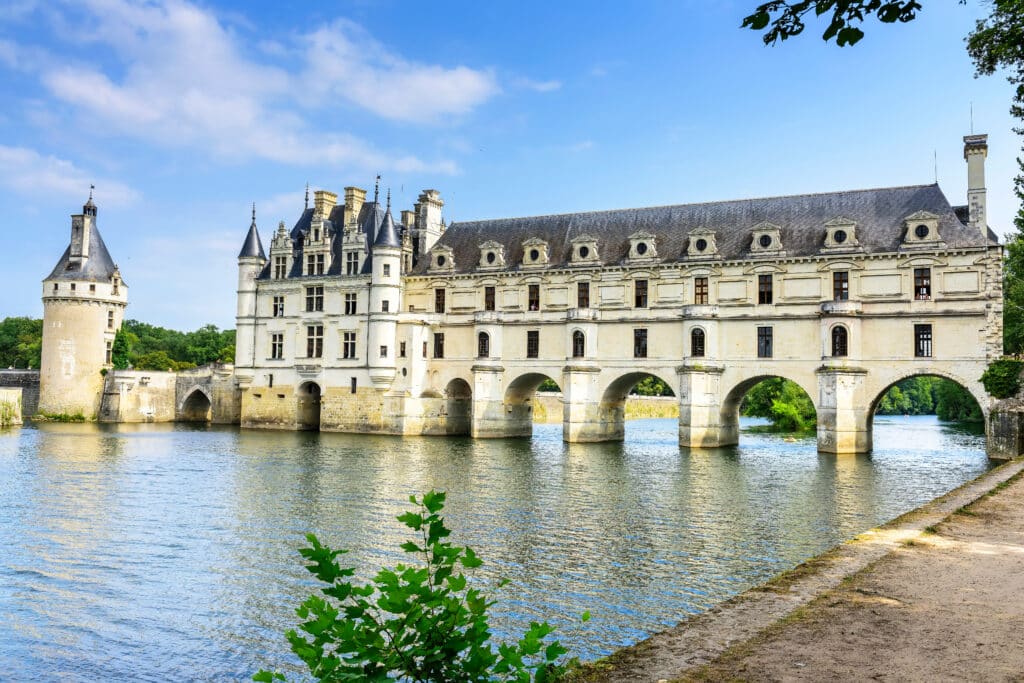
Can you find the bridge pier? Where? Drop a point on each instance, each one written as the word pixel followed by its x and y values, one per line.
pixel 702 422
pixel 844 410
pixel 492 418
pixel 586 418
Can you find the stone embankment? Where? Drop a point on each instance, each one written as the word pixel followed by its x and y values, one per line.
pixel 937 594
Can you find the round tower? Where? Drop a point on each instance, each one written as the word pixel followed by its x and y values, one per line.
pixel 251 261
pixel 84 300
pixel 385 299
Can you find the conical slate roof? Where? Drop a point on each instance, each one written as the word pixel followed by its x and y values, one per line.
pixel 387 235
pixel 252 247
pixel 99 267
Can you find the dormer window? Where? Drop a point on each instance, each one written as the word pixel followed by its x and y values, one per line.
pixel 922 230
pixel 642 246
pixel 535 252
pixel 442 259
pixel 840 235
pixel 584 250
pixel 492 255
pixel 766 240
pixel 702 244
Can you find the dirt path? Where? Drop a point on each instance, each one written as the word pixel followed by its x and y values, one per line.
pixel 937 595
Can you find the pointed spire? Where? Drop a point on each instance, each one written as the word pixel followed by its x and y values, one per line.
pixel 376 189
pixel 389 199
pixel 387 235
pixel 307 195
pixel 252 247
pixel 90 209
pixel 254 213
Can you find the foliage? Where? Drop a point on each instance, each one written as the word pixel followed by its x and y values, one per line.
pixel 7 412
pixel 119 352
pixel 419 622
pixel 651 386
pixel 930 395
pixel 203 346
pixel 954 403
pixel 783 402
pixel 21 342
pixel 786 18
pixel 1002 377
pixel 60 417
pixel 160 361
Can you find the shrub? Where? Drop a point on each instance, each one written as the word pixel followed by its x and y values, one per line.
pixel 1002 378
pixel 417 622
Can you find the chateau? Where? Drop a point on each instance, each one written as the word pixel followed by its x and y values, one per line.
pixel 357 321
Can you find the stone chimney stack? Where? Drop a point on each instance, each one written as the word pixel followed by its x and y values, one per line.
pixel 354 199
pixel 428 219
pixel 975 151
pixel 323 202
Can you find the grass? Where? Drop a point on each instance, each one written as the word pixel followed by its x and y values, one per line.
pixel 8 411
pixel 60 417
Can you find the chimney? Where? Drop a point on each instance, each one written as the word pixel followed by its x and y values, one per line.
pixel 323 202
pixel 354 199
pixel 975 151
pixel 428 219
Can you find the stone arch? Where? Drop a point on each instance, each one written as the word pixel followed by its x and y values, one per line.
pixel 196 406
pixel 730 407
pixel 518 401
pixel 458 395
pixel 973 388
pixel 611 413
pixel 307 409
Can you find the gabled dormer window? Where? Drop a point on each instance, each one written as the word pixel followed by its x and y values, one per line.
pixel 921 229
pixel 535 253
pixel 840 235
pixel 584 251
pixel 766 240
pixel 492 256
pixel 442 260
pixel 642 246
pixel 701 244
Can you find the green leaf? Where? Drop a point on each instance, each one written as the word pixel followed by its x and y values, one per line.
pixel 585 617
pixel 434 501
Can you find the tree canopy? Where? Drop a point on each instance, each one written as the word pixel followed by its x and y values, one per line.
pixel 786 19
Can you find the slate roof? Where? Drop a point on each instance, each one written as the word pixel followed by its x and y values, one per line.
pixel 387 235
pixel 878 213
pixel 252 247
pixel 99 267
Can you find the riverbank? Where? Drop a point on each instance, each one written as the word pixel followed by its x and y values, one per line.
pixel 547 407
pixel 933 595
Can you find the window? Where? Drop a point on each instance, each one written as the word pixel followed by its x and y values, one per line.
pixel 424 349
pixel 348 345
pixel 532 343
pixel 922 283
pixel 92 289
pixel 72 286
pixel 579 344
pixel 113 290
pixel 640 293
pixel 401 349
pixel 383 351
pixel 270 381
pixel 483 345
pixel 351 263
pixel 315 298
pixel 56 287
pixel 278 308
pixel 840 341
pixel 700 290
pixel 583 295
pixel 697 342
pixel 764 342
pixel 315 264
pixel 640 343
pixel 840 285
pixel 488 298
pixel 110 320
pixel 438 301
pixel 110 353
pixel 350 303
pixel 533 298
pixel 280 267
pixel 314 341
pixel 354 384
pixel 385 306
pixel 277 346
pixel 386 270
pixel 439 344
pixel 923 341
pixel 764 289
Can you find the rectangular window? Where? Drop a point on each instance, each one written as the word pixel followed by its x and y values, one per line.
pixel 401 349
pixel 310 264
pixel 110 353
pixel 439 344
pixel 350 303
pixel 533 297
pixel 386 270
pixel 764 289
pixel 383 351
pixel 72 286
pixel 532 344
pixel 923 341
pixel 583 295
pixel 278 308
pixel 351 263
pixel 438 301
pixel 348 345
pixel 314 341
pixel 764 342
pixel 922 283
pixel 280 267
pixel 840 285
pixel 424 349
pixel 385 306
pixel 277 346
pixel 488 298
pixel 110 320
pixel 355 384
pixel 640 343
pixel 640 294
pixel 92 289
pixel 700 290
pixel 315 298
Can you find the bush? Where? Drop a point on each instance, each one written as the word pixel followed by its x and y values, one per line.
pixel 1002 378
pixel 418 622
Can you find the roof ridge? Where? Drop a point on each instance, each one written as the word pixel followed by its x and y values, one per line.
pixel 717 201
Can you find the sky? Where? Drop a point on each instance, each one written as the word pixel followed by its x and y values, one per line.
pixel 183 114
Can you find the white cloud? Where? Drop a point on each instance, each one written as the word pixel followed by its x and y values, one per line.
pixel 539 86
pixel 187 80
pixel 31 173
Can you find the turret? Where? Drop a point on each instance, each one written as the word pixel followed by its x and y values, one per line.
pixel 84 299
pixel 251 261
pixel 975 151
pixel 385 299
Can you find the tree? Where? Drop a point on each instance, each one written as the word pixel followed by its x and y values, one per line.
pixel 783 402
pixel 787 18
pixel 21 342
pixel 120 352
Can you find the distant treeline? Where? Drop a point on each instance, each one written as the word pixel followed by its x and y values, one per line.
pixel 137 344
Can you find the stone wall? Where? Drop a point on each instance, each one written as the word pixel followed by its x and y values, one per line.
pixel 28 382
pixel 547 407
pixel 217 385
pixel 10 407
pixel 138 396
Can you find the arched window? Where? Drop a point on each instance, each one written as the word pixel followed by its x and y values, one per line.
pixel 579 344
pixel 483 345
pixel 840 341
pixel 697 342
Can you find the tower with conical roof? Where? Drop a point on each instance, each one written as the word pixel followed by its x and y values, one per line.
pixel 84 300
pixel 251 261
pixel 385 298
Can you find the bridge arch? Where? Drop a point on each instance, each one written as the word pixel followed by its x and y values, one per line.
pixel 307 409
pixel 973 388
pixel 458 407
pixel 611 415
pixel 197 406
pixel 518 400
pixel 733 398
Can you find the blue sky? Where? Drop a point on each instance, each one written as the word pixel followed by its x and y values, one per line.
pixel 184 114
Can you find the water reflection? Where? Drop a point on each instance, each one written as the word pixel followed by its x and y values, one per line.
pixel 154 552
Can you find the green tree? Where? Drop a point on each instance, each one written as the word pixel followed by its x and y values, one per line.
pixel 417 622
pixel 783 402
pixel 155 360
pixel 21 342
pixel 651 386
pixel 120 352
pixel 785 19
pixel 954 403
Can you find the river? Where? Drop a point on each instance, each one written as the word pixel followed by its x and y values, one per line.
pixel 160 552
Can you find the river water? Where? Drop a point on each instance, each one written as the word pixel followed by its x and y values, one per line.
pixel 163 552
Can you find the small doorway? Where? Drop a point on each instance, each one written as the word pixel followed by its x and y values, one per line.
pixel 309 407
